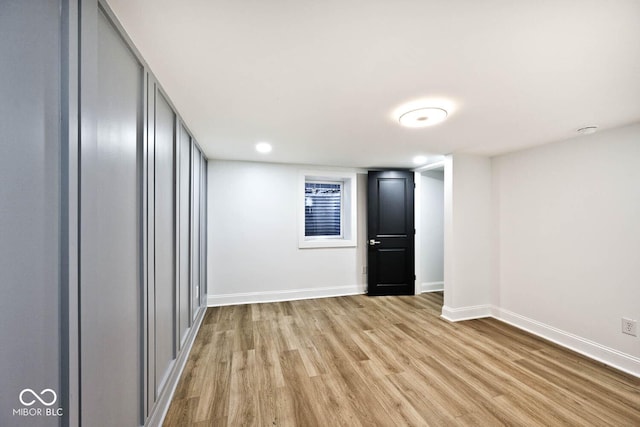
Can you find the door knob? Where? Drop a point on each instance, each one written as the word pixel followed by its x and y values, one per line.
pixel 373 242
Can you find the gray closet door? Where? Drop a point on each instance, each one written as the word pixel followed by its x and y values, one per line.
pixel 184 213
pixel 195 243
pixel 110 320
pixel 164 248
pixel 29 204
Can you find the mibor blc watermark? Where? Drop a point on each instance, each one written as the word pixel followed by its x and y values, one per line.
pixel 43 402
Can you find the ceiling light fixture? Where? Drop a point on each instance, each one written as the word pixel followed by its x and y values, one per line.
pixel 419 160
pixel 423 117
pixel 263 147
pixel 588 130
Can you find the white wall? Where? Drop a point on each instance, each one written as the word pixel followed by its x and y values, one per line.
pixel 432 230
pixel 569 241
pixel 469 248
pixel 253 238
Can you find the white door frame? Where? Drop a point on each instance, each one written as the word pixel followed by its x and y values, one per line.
pixel 418 217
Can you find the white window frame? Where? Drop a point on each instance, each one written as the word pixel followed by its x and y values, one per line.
pixel 348 210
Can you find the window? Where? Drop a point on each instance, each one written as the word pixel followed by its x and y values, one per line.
pixel 323 209
pixel 328 209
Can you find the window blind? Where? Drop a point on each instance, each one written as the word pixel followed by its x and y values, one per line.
pixel 322 209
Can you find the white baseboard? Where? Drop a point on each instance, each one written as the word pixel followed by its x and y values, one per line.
pixel 431 287
pixel 466 313
pixel 289 295
pixel 609 356
pixel 159 410
pixel 591 349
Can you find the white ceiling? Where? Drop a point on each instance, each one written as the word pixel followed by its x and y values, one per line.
pixel 320 80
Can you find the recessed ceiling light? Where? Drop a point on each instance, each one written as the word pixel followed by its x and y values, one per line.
pixel 588 130
pixel 419 160
pixel 263 147
pixel 423 117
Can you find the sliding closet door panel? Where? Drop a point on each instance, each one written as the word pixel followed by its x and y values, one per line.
pixel 29 204
pixel 164 239
pixel 195 243
pixel 110 241
pixel 183 233
pixel 149 265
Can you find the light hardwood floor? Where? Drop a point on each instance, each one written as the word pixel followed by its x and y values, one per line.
pixel 388 361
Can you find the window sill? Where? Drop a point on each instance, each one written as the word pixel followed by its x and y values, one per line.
pixel 326 243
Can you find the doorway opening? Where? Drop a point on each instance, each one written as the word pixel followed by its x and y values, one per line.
pixel 430 228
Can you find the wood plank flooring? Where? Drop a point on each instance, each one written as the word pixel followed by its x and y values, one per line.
pixel 388 361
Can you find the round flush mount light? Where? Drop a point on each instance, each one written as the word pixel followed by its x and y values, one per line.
pixel 263 147
pixel 422 117
pixel 420 160
pixel 588 130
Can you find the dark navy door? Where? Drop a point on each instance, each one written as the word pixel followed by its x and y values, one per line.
pixel 391 233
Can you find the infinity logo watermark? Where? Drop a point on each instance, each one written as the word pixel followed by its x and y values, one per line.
pixel 46 397
pixel 42 393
